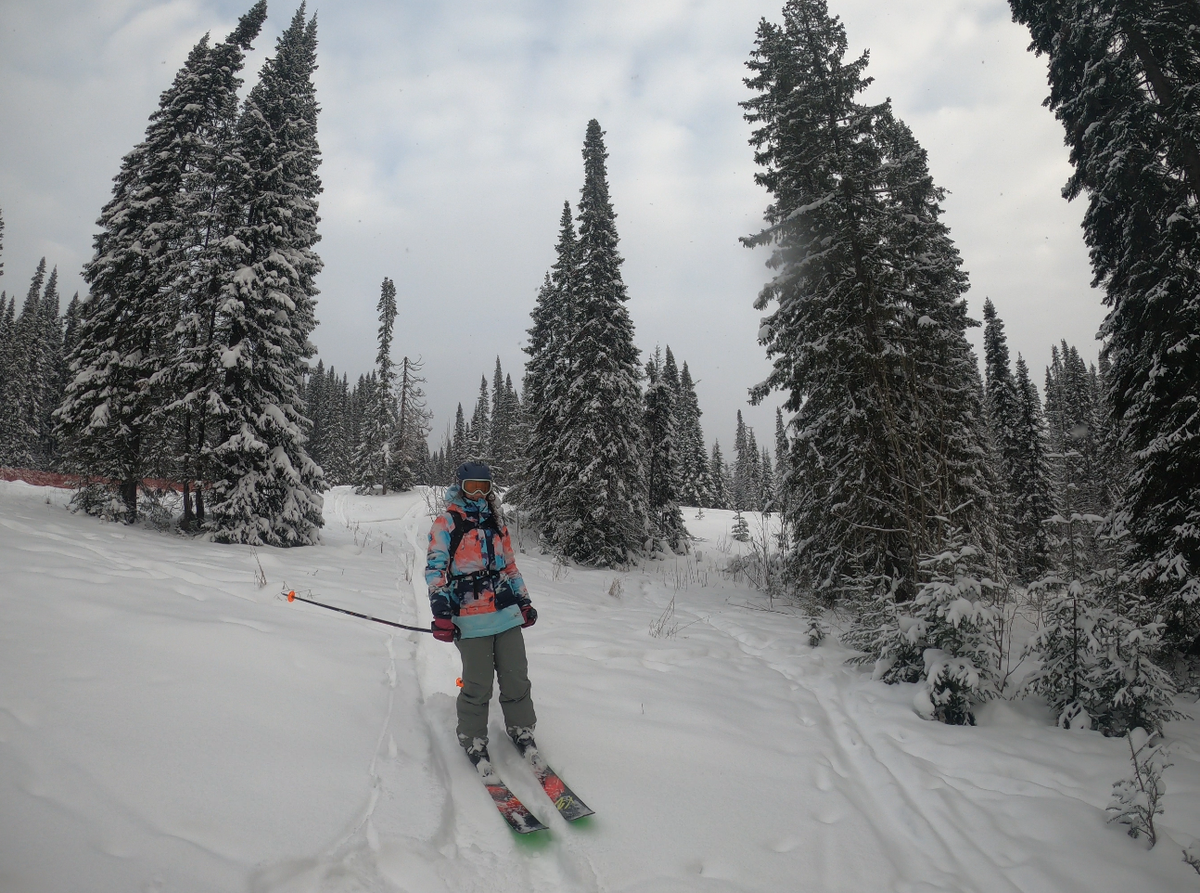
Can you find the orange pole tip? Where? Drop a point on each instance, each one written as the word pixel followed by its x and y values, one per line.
pixel 291 595
pixel 458 681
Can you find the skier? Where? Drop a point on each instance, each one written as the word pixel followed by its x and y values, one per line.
pixel 480 603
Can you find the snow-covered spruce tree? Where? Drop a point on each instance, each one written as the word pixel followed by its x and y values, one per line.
pixel 266 488
pixel 107 420
pixel 410 452
pixel 479 433
pixel 783 481
pixel 460 444
pixel 500 429
pixel 195 262
pixel 1071 420
pixel 373 457
pixel 32 386
pixel 1112 459
pixel 7 323
pixel 695 481
pixel 48 366
pixel 601 519
pixel 740 530
pixel 23 391
pixel 62 372
pixel 720 478
pixel 6 311
pixel 317 400
pixel 867 338
pixel 508 429
pixel 1096 666
pixel 547 379
pixel 1123 82
pixel 1030 483
pixel 766 481
pixel 662 461
pixel 946 635
pixel 744 488
pixel 326 401
pixel 1001 411
pixel 519 426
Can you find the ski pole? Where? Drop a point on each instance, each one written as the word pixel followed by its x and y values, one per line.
pixel 291 596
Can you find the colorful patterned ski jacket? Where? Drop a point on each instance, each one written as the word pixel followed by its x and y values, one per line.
pixel 479 588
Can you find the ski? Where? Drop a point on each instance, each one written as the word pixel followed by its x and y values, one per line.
pixel 569 806
pixel 518 816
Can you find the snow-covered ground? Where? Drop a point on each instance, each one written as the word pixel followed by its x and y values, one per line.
pixel 168 724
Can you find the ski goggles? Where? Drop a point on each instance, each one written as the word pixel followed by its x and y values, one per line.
pixel 476 489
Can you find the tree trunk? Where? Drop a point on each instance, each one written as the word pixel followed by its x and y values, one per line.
pixel 129 493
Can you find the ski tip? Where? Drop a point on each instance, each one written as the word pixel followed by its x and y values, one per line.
pixel 291 595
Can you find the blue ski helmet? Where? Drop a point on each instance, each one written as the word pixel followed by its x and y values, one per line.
pixel 473 471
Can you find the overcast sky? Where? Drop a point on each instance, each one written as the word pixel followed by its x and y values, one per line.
pixel 451 135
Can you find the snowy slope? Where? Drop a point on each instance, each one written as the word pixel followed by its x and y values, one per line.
pixel 166 724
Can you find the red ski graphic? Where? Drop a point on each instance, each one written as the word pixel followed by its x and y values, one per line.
pixel 519 818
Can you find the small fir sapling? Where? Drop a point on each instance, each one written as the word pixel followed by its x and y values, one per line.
pixel 1137 800
pixel 741 530
pixel 816 631
pixel 944 636
pixel 1095 667
pixel 958 628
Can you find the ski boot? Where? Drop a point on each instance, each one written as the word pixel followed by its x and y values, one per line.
pixel 477 753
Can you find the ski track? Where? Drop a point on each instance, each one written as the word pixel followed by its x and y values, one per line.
pixel 381 852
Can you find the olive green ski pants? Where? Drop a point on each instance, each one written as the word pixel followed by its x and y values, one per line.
pixel 504 656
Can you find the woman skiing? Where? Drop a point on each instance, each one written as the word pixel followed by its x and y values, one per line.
pixel 480 603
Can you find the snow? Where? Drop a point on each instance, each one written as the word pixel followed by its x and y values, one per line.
pixel 167 724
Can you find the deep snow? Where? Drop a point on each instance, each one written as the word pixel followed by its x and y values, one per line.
pixel 168 724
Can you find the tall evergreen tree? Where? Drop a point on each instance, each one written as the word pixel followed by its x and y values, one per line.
pixel 410 451
pixel 506 430
pixel 1123 82
pixel 1071 414
pixel 603 516
pixel 499 432
pixel 373 457
pixel 22 397
pixel 1031 486
pixel 662 460
pixel 783 479
pixel 479 438
pixel 695 481
pixel 720 478
pixel 744 487
pixel 1001 405
pixel 200 251
pixel 868 337
pixel 317 400
pixel 107 419
pixel 547 379
pixel 46 368
pixel 266 488
pixel 460 443
pixel 7 323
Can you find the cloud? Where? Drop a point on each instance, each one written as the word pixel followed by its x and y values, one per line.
pixel 451 134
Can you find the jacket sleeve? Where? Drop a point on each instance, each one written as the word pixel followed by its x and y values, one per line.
pixel 437 568
pixel 510 572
